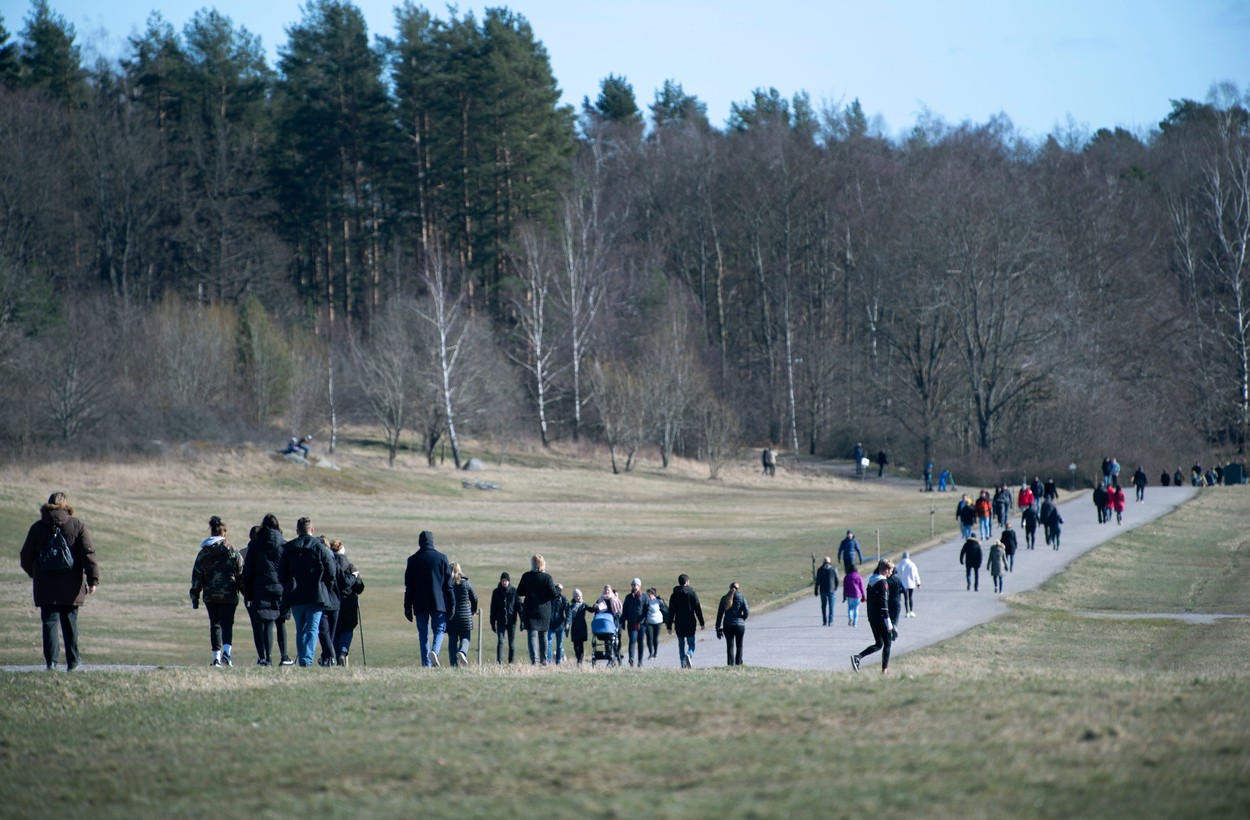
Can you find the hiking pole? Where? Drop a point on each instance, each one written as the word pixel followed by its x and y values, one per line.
pixel 479 637
pixel 360 624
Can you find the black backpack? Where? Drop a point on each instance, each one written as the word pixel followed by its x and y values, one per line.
pixel 56 557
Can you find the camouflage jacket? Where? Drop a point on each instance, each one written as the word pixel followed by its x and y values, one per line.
pixel 218 572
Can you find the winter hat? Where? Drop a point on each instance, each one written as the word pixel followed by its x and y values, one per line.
pixel 577 593
pixel 503 576
pixel 425 539
pixel 637 582
pixel 904 555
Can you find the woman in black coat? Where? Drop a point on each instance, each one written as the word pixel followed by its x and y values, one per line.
pixel 578 631
pixel 536 590
pixel 262 591
pixel 731 623
pixel 349 604
pixel 460 619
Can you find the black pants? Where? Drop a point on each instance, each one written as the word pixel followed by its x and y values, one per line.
pixel 508 632
pixel 67 618
pixel 973 575
pixel 907 597
pixel 733 644
pixel 221 623
pixel 883 642
pixel 653 638
pixel 1030 538
pixel 329 625
pixel 262 636
pixel 579 651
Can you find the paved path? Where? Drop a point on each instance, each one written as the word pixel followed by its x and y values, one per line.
pixel 792 638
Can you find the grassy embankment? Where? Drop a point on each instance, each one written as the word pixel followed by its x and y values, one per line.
pixel 1042 713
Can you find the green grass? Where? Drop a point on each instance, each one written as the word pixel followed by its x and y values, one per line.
pixel 1042 713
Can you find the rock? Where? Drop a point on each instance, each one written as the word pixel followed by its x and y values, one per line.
pixel 473 465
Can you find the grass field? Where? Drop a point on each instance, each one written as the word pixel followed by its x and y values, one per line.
pixel 1043 713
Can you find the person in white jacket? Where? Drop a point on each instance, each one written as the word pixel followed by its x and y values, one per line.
pixel 909 574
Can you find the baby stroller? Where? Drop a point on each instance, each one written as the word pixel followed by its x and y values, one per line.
pixel 605 640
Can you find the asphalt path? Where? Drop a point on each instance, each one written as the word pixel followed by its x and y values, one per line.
pixel 791 637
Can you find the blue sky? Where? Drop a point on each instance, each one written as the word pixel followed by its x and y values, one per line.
pixel 1046 64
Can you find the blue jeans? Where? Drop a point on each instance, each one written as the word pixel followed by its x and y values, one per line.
pixel 555 645
pixel 427 621
pixel 826 607
pixel 852 610
pixel 307 626
pixel 685 649
pixel 635 640
pixel 986 528
pixel 537 640
pixel 965 530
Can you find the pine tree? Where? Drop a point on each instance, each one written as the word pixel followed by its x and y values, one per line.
pixel 50 59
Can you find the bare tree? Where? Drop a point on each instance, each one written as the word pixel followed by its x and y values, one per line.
pixel 533 310
pixel 620 397
pixel 442 313
pixel 388 370
pixel 720 430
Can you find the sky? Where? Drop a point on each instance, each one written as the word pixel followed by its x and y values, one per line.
pixel 1048 65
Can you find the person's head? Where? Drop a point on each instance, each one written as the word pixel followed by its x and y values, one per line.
pixel 336 545
pixel 538 563
pixel 651 593
pixel 304 526
pixel 560 588
pixel 904 556
pixel 270 521
pixel 505 580
pixel 1006 526
pixel 425 540
pixel 884 567
pixel 828 560
pixel 577 594
pixel 216 526
pixel 254 531
pixel 456 574
pixel 60 501
pixel 683 579
pixel 731 595
pixel 635 586
pixel 608 591
pixel 850 534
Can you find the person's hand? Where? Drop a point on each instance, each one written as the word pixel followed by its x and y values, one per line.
pixel 195 603
pixel 720 633
pixel 91 589
pixel 408 613
pixel 889 625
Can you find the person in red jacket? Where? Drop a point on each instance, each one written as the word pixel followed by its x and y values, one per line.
pixel 985 511
pixel 60 588
pixel 1116 499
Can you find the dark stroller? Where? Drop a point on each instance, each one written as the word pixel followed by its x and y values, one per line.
pixel 605 640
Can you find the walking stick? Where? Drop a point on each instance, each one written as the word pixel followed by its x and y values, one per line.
pixel 360 624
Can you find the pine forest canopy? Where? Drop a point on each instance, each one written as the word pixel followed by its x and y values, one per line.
pixel 190 236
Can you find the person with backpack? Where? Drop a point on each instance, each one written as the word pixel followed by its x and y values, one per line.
pixel 262 591
pixel 218 576
pixel 59 557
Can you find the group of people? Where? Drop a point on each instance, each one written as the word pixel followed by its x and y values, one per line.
pixel 307 580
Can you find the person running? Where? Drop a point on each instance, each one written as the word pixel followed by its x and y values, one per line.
pixel 826 588
pixel 683 612
pixel 503 617
pixel 349 603
pixel 217 575
pixel 59 557
pixel 878 617
pixel 428 596
pixel 633 614
pixel 262 591
pixel 852 594
pixel 731 623
pixel 460 618
pixel 535 592
pixel 848 552
pixel 909 575
pixel 970 556
pixel 996 563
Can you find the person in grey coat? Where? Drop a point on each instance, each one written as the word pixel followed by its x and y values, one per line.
pixel 731 623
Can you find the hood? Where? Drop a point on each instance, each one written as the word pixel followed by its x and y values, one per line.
pixel 874 578
pixel 215 544
pixel 211 540
pixel 56 514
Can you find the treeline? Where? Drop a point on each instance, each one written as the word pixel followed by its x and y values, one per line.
pixel 414 232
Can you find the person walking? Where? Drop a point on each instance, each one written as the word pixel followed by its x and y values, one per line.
pixel 349 603
pixel 578 631
pixel 329 623
pixel 308 572
pixel 683 612
pixel 59 557
pixel 970 556
pixel 1024 499
pixel 1010 545
pixel 848 552
pixel 633 615
pixel 878 617
pixel 966 514
pixel 1055 526
pixel 894 601
pixel 535 592
pixel 1140 481
pixel 826 588
pixel 985 511
pixel 1116 501
pixel 218 575
pixel 1100 498
pixel 908 575
pixel 428 596
pixel 558 625
pixel 731 623
pixel 657 610
pixel 460 617
pixel 882 460
pixel 852 594
pixel 1045 517
pixel 1002 506
pixel 1028 520
pixel 928 477
pixel 503 617
pixel 262 591
pixel 859 459
pixel 996 563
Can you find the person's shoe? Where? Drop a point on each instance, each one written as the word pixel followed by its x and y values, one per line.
pixel 262 662
pixel 325 661
pixel 631 660
pixel 216 663
pixel 225 661
pixel 73 667
pixel 343 661
pixel 434 660
pixel 855 662
pixel 286 662
pixel 462 659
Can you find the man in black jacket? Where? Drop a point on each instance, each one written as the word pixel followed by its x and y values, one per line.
pixel 503 617
pixel 683 611
pixel 308 572
pixel 970 556
pixel 428 596
pixel 826 589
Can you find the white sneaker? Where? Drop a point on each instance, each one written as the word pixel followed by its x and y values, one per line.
pixel 462 658
pixel 433 659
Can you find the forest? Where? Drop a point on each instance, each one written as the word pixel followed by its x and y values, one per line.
pixel 408 230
